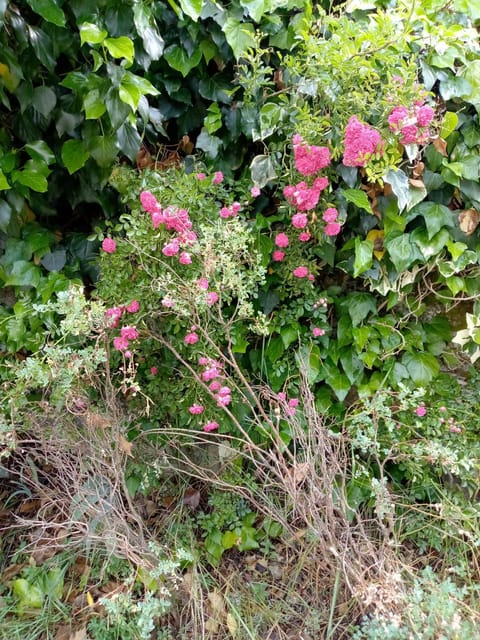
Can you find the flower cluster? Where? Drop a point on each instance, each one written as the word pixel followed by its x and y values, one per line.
pixel 290 406
pixel 114 314
pixel 231 211
pixel 109 245
pixel 212 374
pixel 122 342
pixel 411 124
pixel 309 159
pixel 361 142
pixel 303 197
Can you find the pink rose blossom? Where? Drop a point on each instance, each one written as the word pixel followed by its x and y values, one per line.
pixel 153 371
pixel 168 302
pixel 130 333
pixel 333 229
pixel 300 220
pixel 361 142
pixel 187 237
pixel 114 314
pixel 215 386
pixel 278 256
pixel 300 272
pixel 133 307
pixel 421 411
pixel 120 343
pixel 109 245
pixel 304 197
pixel 309 159
pixel 171 249
pixel 281 240
pixel 128 354
pixel 223 401
pixel 203 361
pixel 255 192
pixel 212 297
pixel 235 207
pixel 202 283
pixel 409 134
pixel 157 219
pixel 396 117
pixel 224 391
pixel 330 215
pixel 196 409
pixel 201 176
pixel 217 177
pixel 185 258
pixel 317 332
pixel 293 402
pixel 225 213
pixel 149 202
pixel 282 396
pixel 304 236
pixel 191 338
pixel 210 374
pixel 210 426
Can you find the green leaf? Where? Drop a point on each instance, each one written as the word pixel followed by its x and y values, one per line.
pixel 471 73
pixel 213 120
pixel 180 60
pixel 121 47
pixel 256 8
pixel 275 349
pixel 5 215
pixel 359 198
pixel 262 170
pixel 340 384
pixel 193 8
pixel 352 365
pixel 49 10
pixel 3 183
pixel 129 94
pixel 309 361
pixel 29 596
pixel 239 35
pixel 270 115
pixel 153 42
pixel 39 150
pixel 430 246
pixel 103 149
pixel 435 215
pixel 91 33
pixel 74 155
pixel 449 124
pixel 128 140
pixel 31 179
pixel 229 539
pixel 363 256
pixel 44 100
pixel 407 195
pixel 94 105
pixel 403 252
pixel 54 261
pixel 421 367
pixel 209 144
pixel 42 46
pixel 359 305
pixel 23 274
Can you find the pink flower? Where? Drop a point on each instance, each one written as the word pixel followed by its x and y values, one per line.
pixel 255 192
pixel 300 272
pixel 185 258
pixel 109 245
pixel 223 401
pixel 293 403
pixel 191 338
pixel 215 386
pixel 133 307
pixel 442 408
pixel 210 374
pixel 421 411
pixel 153 371
pixel 425 116
pixel 333 229
pixel 304 197
pixel 130 333
pixel 210 426
pixel 202 283
pixel 317 332
pixel 171 249
pixel 310 159
pixel 200 176
pixel 300 220
pixel 361 142
pixel 203 361
pixel 128 354
pixel 235 207
pixel 224 391
pixel 168 302
pixel 409 134
pixel 157 219
pixel 225 212
pixel 212 298
pixel 304 236
pixel 187 237
pixel 282 396
pixel 397 115
pixel 114 314
pixel 177 220
pixel 149 202
pixel 278 256
pixel 281 240
pixel 120 343
pixel 330 215
pixel 217 177
pixel 196 409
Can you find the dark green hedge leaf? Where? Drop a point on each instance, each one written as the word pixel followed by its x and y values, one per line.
pixel 363 256
pixel 180 60
pixel 121 47
pixel 49 10
pixel 359 198
pixel 128 140
pixel 239 35
pixel 39 150
pixel 3 182
pixel 74 155
pixel 31 179
pixel 359 306
pixel 402 251
pixel 421 367
pixel 54 261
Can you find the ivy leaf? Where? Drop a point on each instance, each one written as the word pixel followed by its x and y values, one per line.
pixel 5 215
pixel 430 246
pixel 435 215
pixel 44 100
pixel 262 170
pixel 209 144
pixel 407 196
pixel 449 124
pixel 74 155
pixel 256 8
pixel 91 33
pixel 128 140
pixel 180 60
pixel 421 367
pixel 42 46
pixel 153 42
pixel 49 10
pixel 359 305
pixel 39 150
pixel 54 261
pixel 239 35
pixel 471 73
pixel 31 179
pixel 103 149
pixel 23 274
pixel 3 183
pixel 340 384
pixel 193 8
pixel 403 252
pixel 121 47
pixel 270 116
pixel 94 105
pixel 359 198
pixel 363 256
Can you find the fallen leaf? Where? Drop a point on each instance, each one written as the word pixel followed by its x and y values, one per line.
pixel 377 236
pixel 299 472
pixel 168 501
pixel 216 602
pixel 191 498
pixel 232 625
pixel 212 625
pixel 125 445
pixel 90 600
pixel 81 634
pixel 418 169
pixel 440 145
pixel 415 182
pixel 469 220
